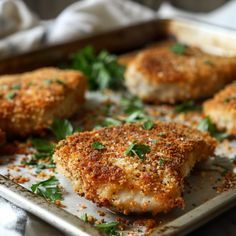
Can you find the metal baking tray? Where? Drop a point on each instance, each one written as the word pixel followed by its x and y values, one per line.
pixel 202 204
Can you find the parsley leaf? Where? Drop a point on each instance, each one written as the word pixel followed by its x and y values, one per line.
pixel 61 128
pixel 49 189
pixel 102 70
pixel 207 125
pixel 42 145
pixel 111 121
pixel 187 106
pixel 162 161
pixel 178 48
pixel 84 217
pixel 10 96
pixel 98 146
pixel 139 150
pixel 108 228
pixel 136 116
pixel 44 149
pixel 131 104
pixel 16 86
pixel 208 62
pixel 147 125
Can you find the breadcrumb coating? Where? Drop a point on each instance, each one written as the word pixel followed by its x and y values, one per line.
pixel 158 74
pixel 222 109
pixel 111 178
pixel 30 101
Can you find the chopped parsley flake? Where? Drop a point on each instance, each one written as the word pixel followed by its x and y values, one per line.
pixel 49 189
pixel 162 134
pixel 10 96
pixel 111 121
pixel 62 128
pixel 61 82
pixel 109 229
pixel 187 106
pixel 16 86
pixel 147 125
pixel 139 150
pixel 137 116
pixel 207 125
pixel 102 70
pixel 84 217
pixel 42 145
pixel 162 161
pixel 131 104
pixel 208 62
pixel 47 81
pixel 178 48
pixel 98 146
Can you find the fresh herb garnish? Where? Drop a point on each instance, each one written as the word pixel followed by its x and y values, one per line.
pixel 49 189
pixel 147 125
pixel 207 125
pixel 187 106
pixel 10 96
pixel 136 116
pixel 162 134
pixel 47 81
pixel 102 70
pixel 42 145
pixel 162 161
pixel 208 62
pixel 178 48
pixel 16 86
pixel 38 166
pixel 84 217
pixel 131 105
pixel 44 149
pixel 109 228
pixel 59 81
pixel 98 146
pixel 139 150
pixel 61 128
pixel 111 121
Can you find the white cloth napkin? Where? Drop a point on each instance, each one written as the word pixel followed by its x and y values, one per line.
pixel 21 30
pixel 223 16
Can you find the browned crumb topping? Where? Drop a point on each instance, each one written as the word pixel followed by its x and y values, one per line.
pixel 229 182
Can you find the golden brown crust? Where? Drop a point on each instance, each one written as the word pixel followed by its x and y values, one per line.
pixel 159 176
pixel 222 109
pixel 194 74
pixel 30 101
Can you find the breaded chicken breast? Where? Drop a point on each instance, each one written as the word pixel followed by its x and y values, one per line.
pixel 129 169
pixel 30 101
pixel 222 109
pixel 170 73
pixel 2 137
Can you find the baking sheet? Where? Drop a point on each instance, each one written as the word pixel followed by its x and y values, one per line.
pixel 201 187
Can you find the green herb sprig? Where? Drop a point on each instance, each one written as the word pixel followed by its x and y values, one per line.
pixel 102 70
pixel 139 150
pixel 207 125
pixel 62 128
pixel 178 48
pixel 49 189
pixel 98 146
pixel 187 106
pixel 109 229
